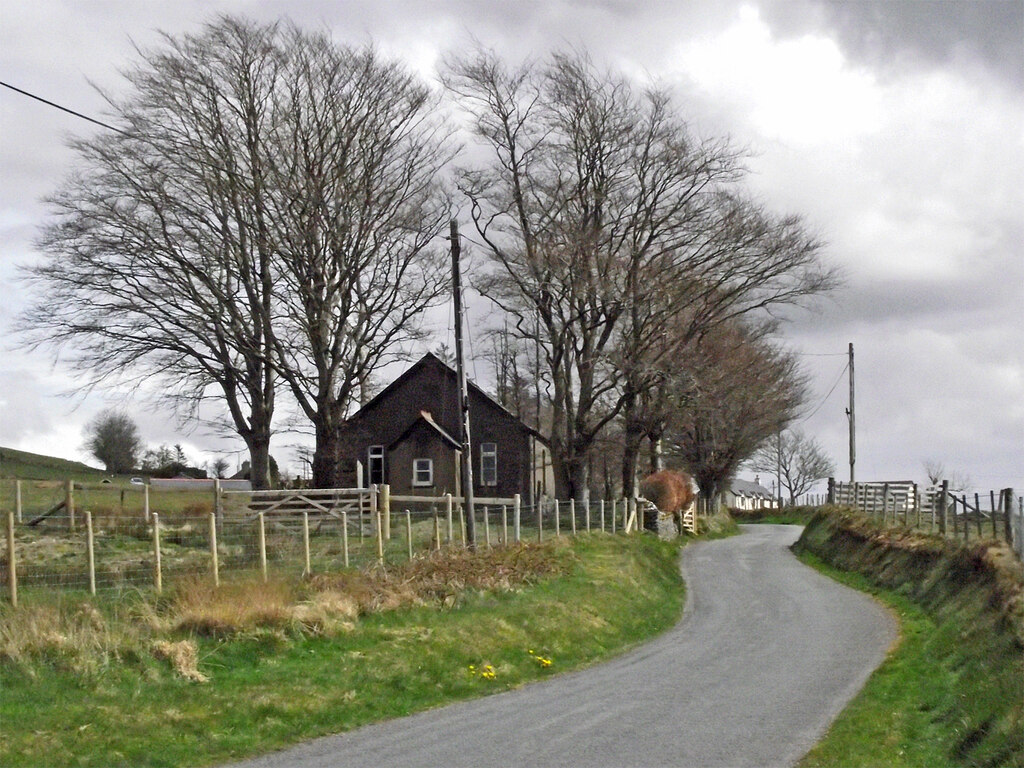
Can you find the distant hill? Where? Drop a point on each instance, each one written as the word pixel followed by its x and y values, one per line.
pixel 33 466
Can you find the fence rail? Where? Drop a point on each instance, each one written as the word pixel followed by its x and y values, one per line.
pixel 938 509
pixel 105 538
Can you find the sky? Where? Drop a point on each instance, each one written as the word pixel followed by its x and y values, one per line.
pixel 895 127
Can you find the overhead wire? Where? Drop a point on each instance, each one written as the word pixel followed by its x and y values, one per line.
pixel 70 111
pixel 825 399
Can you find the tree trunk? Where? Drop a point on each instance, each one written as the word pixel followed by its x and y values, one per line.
pixel 630 460
pixel 326 455
pixel 657 453
pixel 579 479
pixel 259 461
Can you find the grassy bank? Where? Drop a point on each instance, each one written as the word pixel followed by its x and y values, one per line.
pixel 201 676
pixel 952 692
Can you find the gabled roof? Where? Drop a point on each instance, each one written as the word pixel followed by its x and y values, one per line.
pixel 749 488
pixel 431 359
pixel 427 419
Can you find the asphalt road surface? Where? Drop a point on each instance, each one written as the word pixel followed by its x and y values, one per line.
pixel 767 654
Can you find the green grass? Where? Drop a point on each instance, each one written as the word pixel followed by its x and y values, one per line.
pixel 33 466
pixel 271 688
pixel 951 693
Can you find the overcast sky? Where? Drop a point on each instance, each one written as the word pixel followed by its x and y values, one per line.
pixel 895 126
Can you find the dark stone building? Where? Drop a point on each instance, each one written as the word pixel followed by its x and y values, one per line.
pixel 407 436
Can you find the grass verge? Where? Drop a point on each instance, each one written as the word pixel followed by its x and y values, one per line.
pixel 952 692
pixel 177 681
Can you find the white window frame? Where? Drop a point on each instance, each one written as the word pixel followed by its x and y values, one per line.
pixel 374 452
pixel 417 468
pixel 488 453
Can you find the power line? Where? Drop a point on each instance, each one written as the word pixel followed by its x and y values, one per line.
pixel 825 399
pixel 55 105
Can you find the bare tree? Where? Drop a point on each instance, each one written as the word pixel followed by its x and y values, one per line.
pixel 113 438
pixel 937 472
pixel 743 262
pixel 219 467
pixel 798 458
pixel 264 213
pixel 160 265
pixel 605 221
pixel 743 390
pixel 589 182
pixel 360 207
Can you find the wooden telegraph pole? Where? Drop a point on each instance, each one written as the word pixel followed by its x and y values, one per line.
pixel 466 465
pixel 850 415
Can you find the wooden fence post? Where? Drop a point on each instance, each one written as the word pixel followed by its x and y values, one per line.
pixel 437 530
pixel 614 502
pixel 558 521
pixel 967 518
pixel 487 527
pixel 344 536
pixel 586 514
pixel 362 515
pixel 448 518
pixel 540 519
pixel 977 514
pixel 218 502
pixel 145 502
pixel 261 534
pixel 385 508
pixel 572 515
pixel 379 535
pixel 943 517
pixel 995 517
pixel 516 513
pixel 69 502
pixel 462 523
pixel 158 579
pixel 504 525
pixel 307 569
pixel 408 530
pixel 12 561
pixel 17 499
pixel 602 515
pixel 90 552
pixel 885 505
pixel 214 562
pixel 1007 505
pixel 831 499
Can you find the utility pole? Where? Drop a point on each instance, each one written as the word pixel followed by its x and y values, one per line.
pixel 850 416
pixel 466 464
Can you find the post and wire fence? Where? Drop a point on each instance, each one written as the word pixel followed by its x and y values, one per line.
pixel 938 509
pixel 95 538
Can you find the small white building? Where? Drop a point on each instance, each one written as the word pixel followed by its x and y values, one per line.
pixel 747 494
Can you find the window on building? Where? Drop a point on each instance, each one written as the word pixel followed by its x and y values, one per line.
pixel 375 464
pixel 488 464
pixel 422 471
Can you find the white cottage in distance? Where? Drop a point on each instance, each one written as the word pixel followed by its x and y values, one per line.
pixel 746 494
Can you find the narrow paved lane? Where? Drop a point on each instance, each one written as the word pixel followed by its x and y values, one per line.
pixel 767 653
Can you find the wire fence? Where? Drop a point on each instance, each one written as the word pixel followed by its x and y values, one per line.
pixel 938 509
pixel 76 537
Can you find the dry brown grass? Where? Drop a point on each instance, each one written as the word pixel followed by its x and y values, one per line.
pixel 183 658
pixel 76 635
pixel 441 577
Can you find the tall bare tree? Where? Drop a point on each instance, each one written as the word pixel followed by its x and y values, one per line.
pixel 265 214
pixel 361 208
pixel 589 183
pixel 744 389
pixel 798 458
pixel 605 222
pixel 159 262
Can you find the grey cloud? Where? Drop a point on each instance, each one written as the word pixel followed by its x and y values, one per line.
pixel 883 32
